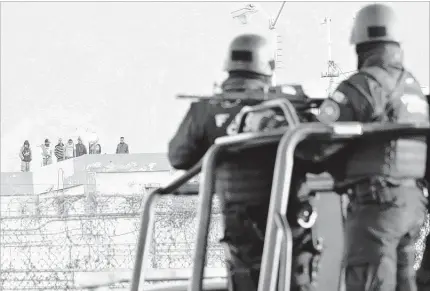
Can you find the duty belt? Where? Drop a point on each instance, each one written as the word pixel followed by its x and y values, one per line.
pixel 371 189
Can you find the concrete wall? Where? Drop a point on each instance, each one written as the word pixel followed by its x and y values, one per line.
pixel 122 163
pixel 79 171
pixel 50 177
pixel 128 174
pixel 131 182
pixel 13 183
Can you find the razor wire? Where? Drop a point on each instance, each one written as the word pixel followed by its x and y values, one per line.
pixel 45 240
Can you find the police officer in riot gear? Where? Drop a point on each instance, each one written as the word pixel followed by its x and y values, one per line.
pixel 250 66
pixel 384 180
pixel 243 180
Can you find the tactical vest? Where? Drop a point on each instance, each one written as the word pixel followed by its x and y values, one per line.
pixel 221 116
pixel 245 176
pixel 398 100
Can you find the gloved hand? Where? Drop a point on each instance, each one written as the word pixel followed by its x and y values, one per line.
pixel 262 121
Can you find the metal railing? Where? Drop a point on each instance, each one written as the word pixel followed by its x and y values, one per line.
pixel 206 186
pixel 278 233
pixel 146 225
pixel 205 202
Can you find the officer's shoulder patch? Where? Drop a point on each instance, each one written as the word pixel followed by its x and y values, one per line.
pixel 339 97
pixel 329 111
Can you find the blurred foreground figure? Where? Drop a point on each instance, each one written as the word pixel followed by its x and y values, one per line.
pixel 384 180
pixel 388 195
pixel 244 179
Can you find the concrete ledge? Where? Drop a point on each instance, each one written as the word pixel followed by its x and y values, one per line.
pixel 80 171
pixel 90 279
pixel 129 182
pixel 148 162
pixel 16 183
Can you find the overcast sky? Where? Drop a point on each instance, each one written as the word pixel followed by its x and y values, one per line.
pixel 115 68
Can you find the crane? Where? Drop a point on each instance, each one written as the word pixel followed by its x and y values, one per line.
pixel 244 13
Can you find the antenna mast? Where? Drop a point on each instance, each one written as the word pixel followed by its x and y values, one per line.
pixel 272 26
pixel 333 71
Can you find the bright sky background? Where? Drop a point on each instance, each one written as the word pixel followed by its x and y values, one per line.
pixel 115 68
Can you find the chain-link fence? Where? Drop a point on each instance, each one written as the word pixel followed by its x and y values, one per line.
pixel 47 239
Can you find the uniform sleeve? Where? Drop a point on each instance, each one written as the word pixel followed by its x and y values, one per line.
pixel 189 144
pixel 347 103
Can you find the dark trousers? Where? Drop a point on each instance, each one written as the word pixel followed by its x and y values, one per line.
pixel 245 228
pixel 381 230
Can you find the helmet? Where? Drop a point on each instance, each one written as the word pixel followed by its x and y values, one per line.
pixel 251 53
pixel 376 22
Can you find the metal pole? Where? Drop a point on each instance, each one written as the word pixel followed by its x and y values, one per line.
pixel 327 21
pixel 279 14
pixel 206 191
pixel 331 72
pixel 145 236
pixel 272 26
pixel 276 60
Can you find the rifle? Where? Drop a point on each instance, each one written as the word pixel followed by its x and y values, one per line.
pixel 295 94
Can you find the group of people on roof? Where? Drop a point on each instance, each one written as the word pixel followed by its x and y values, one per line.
pixel 63 151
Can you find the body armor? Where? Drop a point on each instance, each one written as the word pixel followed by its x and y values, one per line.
pixel 400 101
